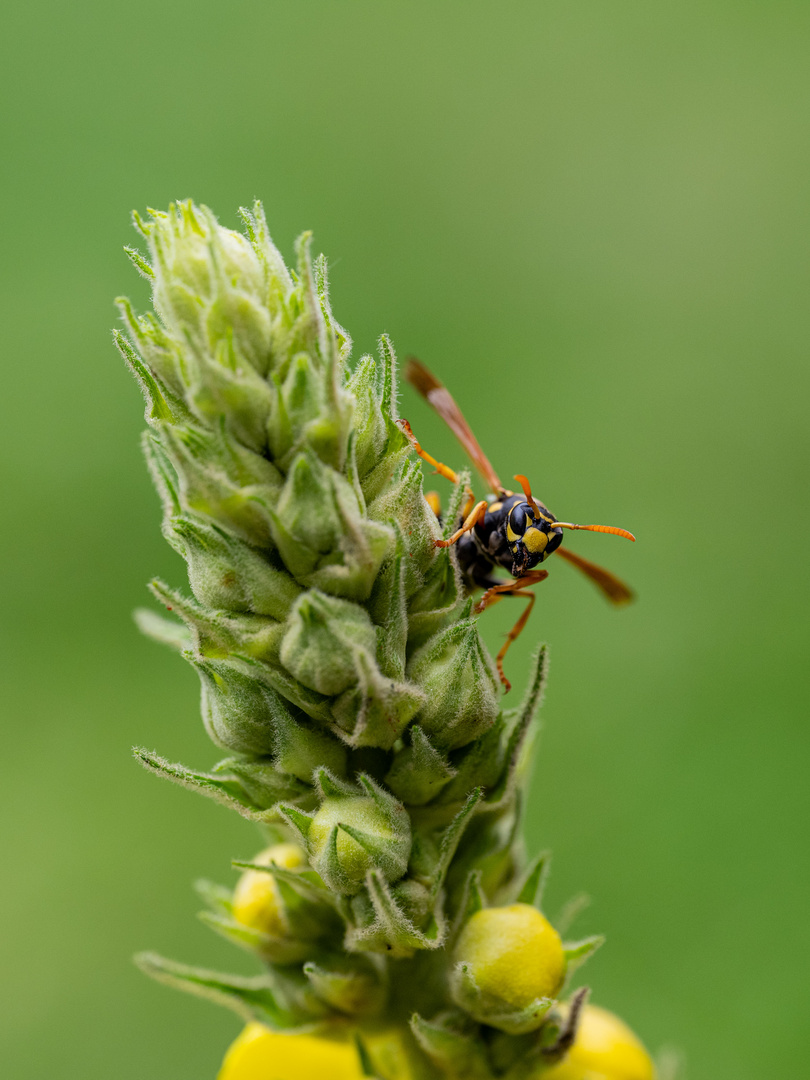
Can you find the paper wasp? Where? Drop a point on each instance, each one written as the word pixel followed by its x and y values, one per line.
pixel 516 532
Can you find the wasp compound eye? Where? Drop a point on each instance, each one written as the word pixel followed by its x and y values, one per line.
pixel 518 520
pixel 554 540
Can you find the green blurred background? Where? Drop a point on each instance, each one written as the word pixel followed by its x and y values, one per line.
pixel 592 219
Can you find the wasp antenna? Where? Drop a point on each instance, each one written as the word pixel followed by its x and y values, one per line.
pixel 595 528
pixel 527 491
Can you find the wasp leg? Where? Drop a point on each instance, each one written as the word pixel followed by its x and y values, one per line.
pixel 511 588
pixel 443 470
pixel 473 512
pixel 470 521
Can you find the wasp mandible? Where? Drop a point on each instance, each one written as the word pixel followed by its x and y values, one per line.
pixel 515 532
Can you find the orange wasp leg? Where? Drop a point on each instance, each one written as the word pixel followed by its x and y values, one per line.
pixel 470 521
pixel 512 588
pixel 443 470
pixel 449 474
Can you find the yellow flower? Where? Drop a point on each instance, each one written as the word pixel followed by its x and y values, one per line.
pixel 514 954
pixel 256 900
pixel 261 1054
pixel 605 1049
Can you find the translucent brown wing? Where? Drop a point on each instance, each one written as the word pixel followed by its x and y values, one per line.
pixel 440 398
pixel 615 590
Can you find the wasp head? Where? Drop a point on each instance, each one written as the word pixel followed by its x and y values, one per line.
pixel 532 535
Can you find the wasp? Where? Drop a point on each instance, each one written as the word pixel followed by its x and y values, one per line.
pixel 505 530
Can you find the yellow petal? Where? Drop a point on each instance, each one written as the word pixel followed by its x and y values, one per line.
pixel 605 1049
pixel 261 1054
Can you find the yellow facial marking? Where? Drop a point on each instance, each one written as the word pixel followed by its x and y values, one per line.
pixel 511 535
pixel 535 540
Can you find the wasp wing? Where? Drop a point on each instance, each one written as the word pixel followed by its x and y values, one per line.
pixel 615 590
pixel 440 398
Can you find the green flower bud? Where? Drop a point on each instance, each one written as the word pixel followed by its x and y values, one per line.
pixel 360 834
pixel 161 356
pixel 404 503
pixel 209 284
pixel 324 538
pixel 453 1044
pixel 218 634
pixel 478 764
pixel 234 395
pixel 370 425
pixel 440 595
pixel 297 400
pixel 323 638
pixel 301 749
pixel 388 608
pixel 233 490
pixel 434 604
pixel 418 772
pixel 308 408
pixel 509 967
pixel 352 833
pixel 390 920
pixel 276 677
pixel 237 710
pixel 247 715
pixel 380 446
pixel 377 710
pixel 351 984
pixel 459 680
pixel 224 572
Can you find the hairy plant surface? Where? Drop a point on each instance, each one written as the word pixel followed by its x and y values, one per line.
pixel 359 715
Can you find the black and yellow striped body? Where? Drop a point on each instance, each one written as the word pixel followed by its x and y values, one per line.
pixel 512 535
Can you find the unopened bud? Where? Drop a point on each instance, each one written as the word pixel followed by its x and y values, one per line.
pixel 323 638
pixel 233 490
pixel 350 984
pixel 456 674
pixel 321 532
pixel 196 263
pixel 351 834
pixel 238 712
pixel 509 966
pixel 226 573
pixel 289 912
pixel 256 899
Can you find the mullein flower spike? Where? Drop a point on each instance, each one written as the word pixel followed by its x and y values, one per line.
pixel 343 674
